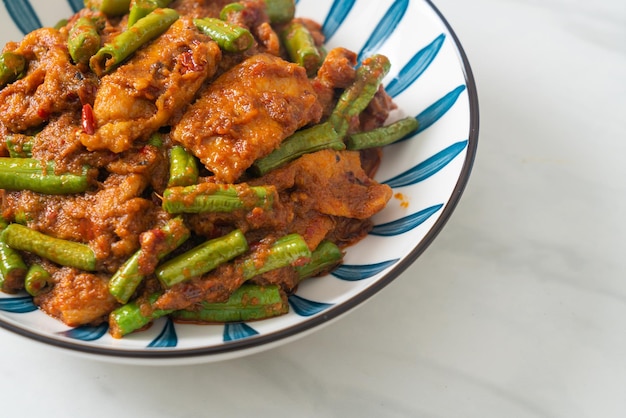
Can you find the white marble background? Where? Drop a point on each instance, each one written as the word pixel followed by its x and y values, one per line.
pixel 517 310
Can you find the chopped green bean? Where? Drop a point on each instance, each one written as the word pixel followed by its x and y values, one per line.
pixel 230 38
pixel 301 47
pixel 37 280
pixel 142 8
pixel 315 138
pixel 12 66
pixel 284 252
pixel 126 280
pixel 326 256
pixel 133 316
pixel 211 197
pixel 202 259
pixel 31 174
pixel 83 40
pixel 109 7
pixel 183 167
pixel 382 136
pixel 357 97
pixel 231 8
pixel 248 303
pixel 60 251
pixel 12 266
pixel 19 146
pixel 126 43
pixel 280 11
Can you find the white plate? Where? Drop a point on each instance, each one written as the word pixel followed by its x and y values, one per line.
pixel 430 79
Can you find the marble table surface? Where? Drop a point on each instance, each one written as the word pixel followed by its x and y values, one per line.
pixel 518 309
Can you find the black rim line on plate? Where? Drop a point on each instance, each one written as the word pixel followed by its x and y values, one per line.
pixel 332 312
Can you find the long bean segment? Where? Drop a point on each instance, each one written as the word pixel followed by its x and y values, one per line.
pixel 248 303
pixel 12 266
pixel 382 136
pixel 142 8
pixel 324 258
pixel 315 138
pixel 280 11
pixel 133 316
pixel 109 7
pixel 286 251
pixel 126 280
pixel 19 146
pixel 357 96
pixel 37 280
pixel 12 66
pixel 301 47
pixel 183 167
pixel 230 38
pixel 202 259
pixel 126 43
pixel 83 40
pixel 211 197
pixel 60 251
pixel 32 174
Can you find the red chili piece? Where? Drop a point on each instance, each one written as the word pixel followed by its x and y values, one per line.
pixel 89 126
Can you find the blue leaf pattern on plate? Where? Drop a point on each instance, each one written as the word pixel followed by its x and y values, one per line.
pixel 337 14
pixel 385 28
pixel 306 307
pixel 76 5
pixel 23 15
pixel 167 337
pixel 353 273
pixel 415 67
pixel 435 111
pixel 86 332
pixel 405 224
pixel 237 331
pixel 21 304
pixel 427 168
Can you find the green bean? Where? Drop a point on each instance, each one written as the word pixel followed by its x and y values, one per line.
pixel 126 280
pixel 357 96
pixel 301 47
pixel 183 167
pixel 60 251
pixel 133 316
pixel 12 66
pixel 230 38
pixel 280 11
pixel 202 259
pixel 326 256
pixel 126 43
pixel 248 303
pixel 286 251
pixel 315 138
pixel 211 197
pixel 61 24
pixel 37 280
pixel 31 174
pixel 142 8
pixel 109 7
pixel 12 266
pixel 19 146
pixel 83 40
pixel 382 136
pixel 231 8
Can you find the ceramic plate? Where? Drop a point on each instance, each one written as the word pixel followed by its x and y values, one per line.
pixel 430 79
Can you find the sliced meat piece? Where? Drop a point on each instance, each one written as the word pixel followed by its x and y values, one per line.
pixel 159 80
pixel 246 113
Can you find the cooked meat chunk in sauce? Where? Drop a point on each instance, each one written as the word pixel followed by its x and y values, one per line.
pixel 160 80
pixel 246 113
